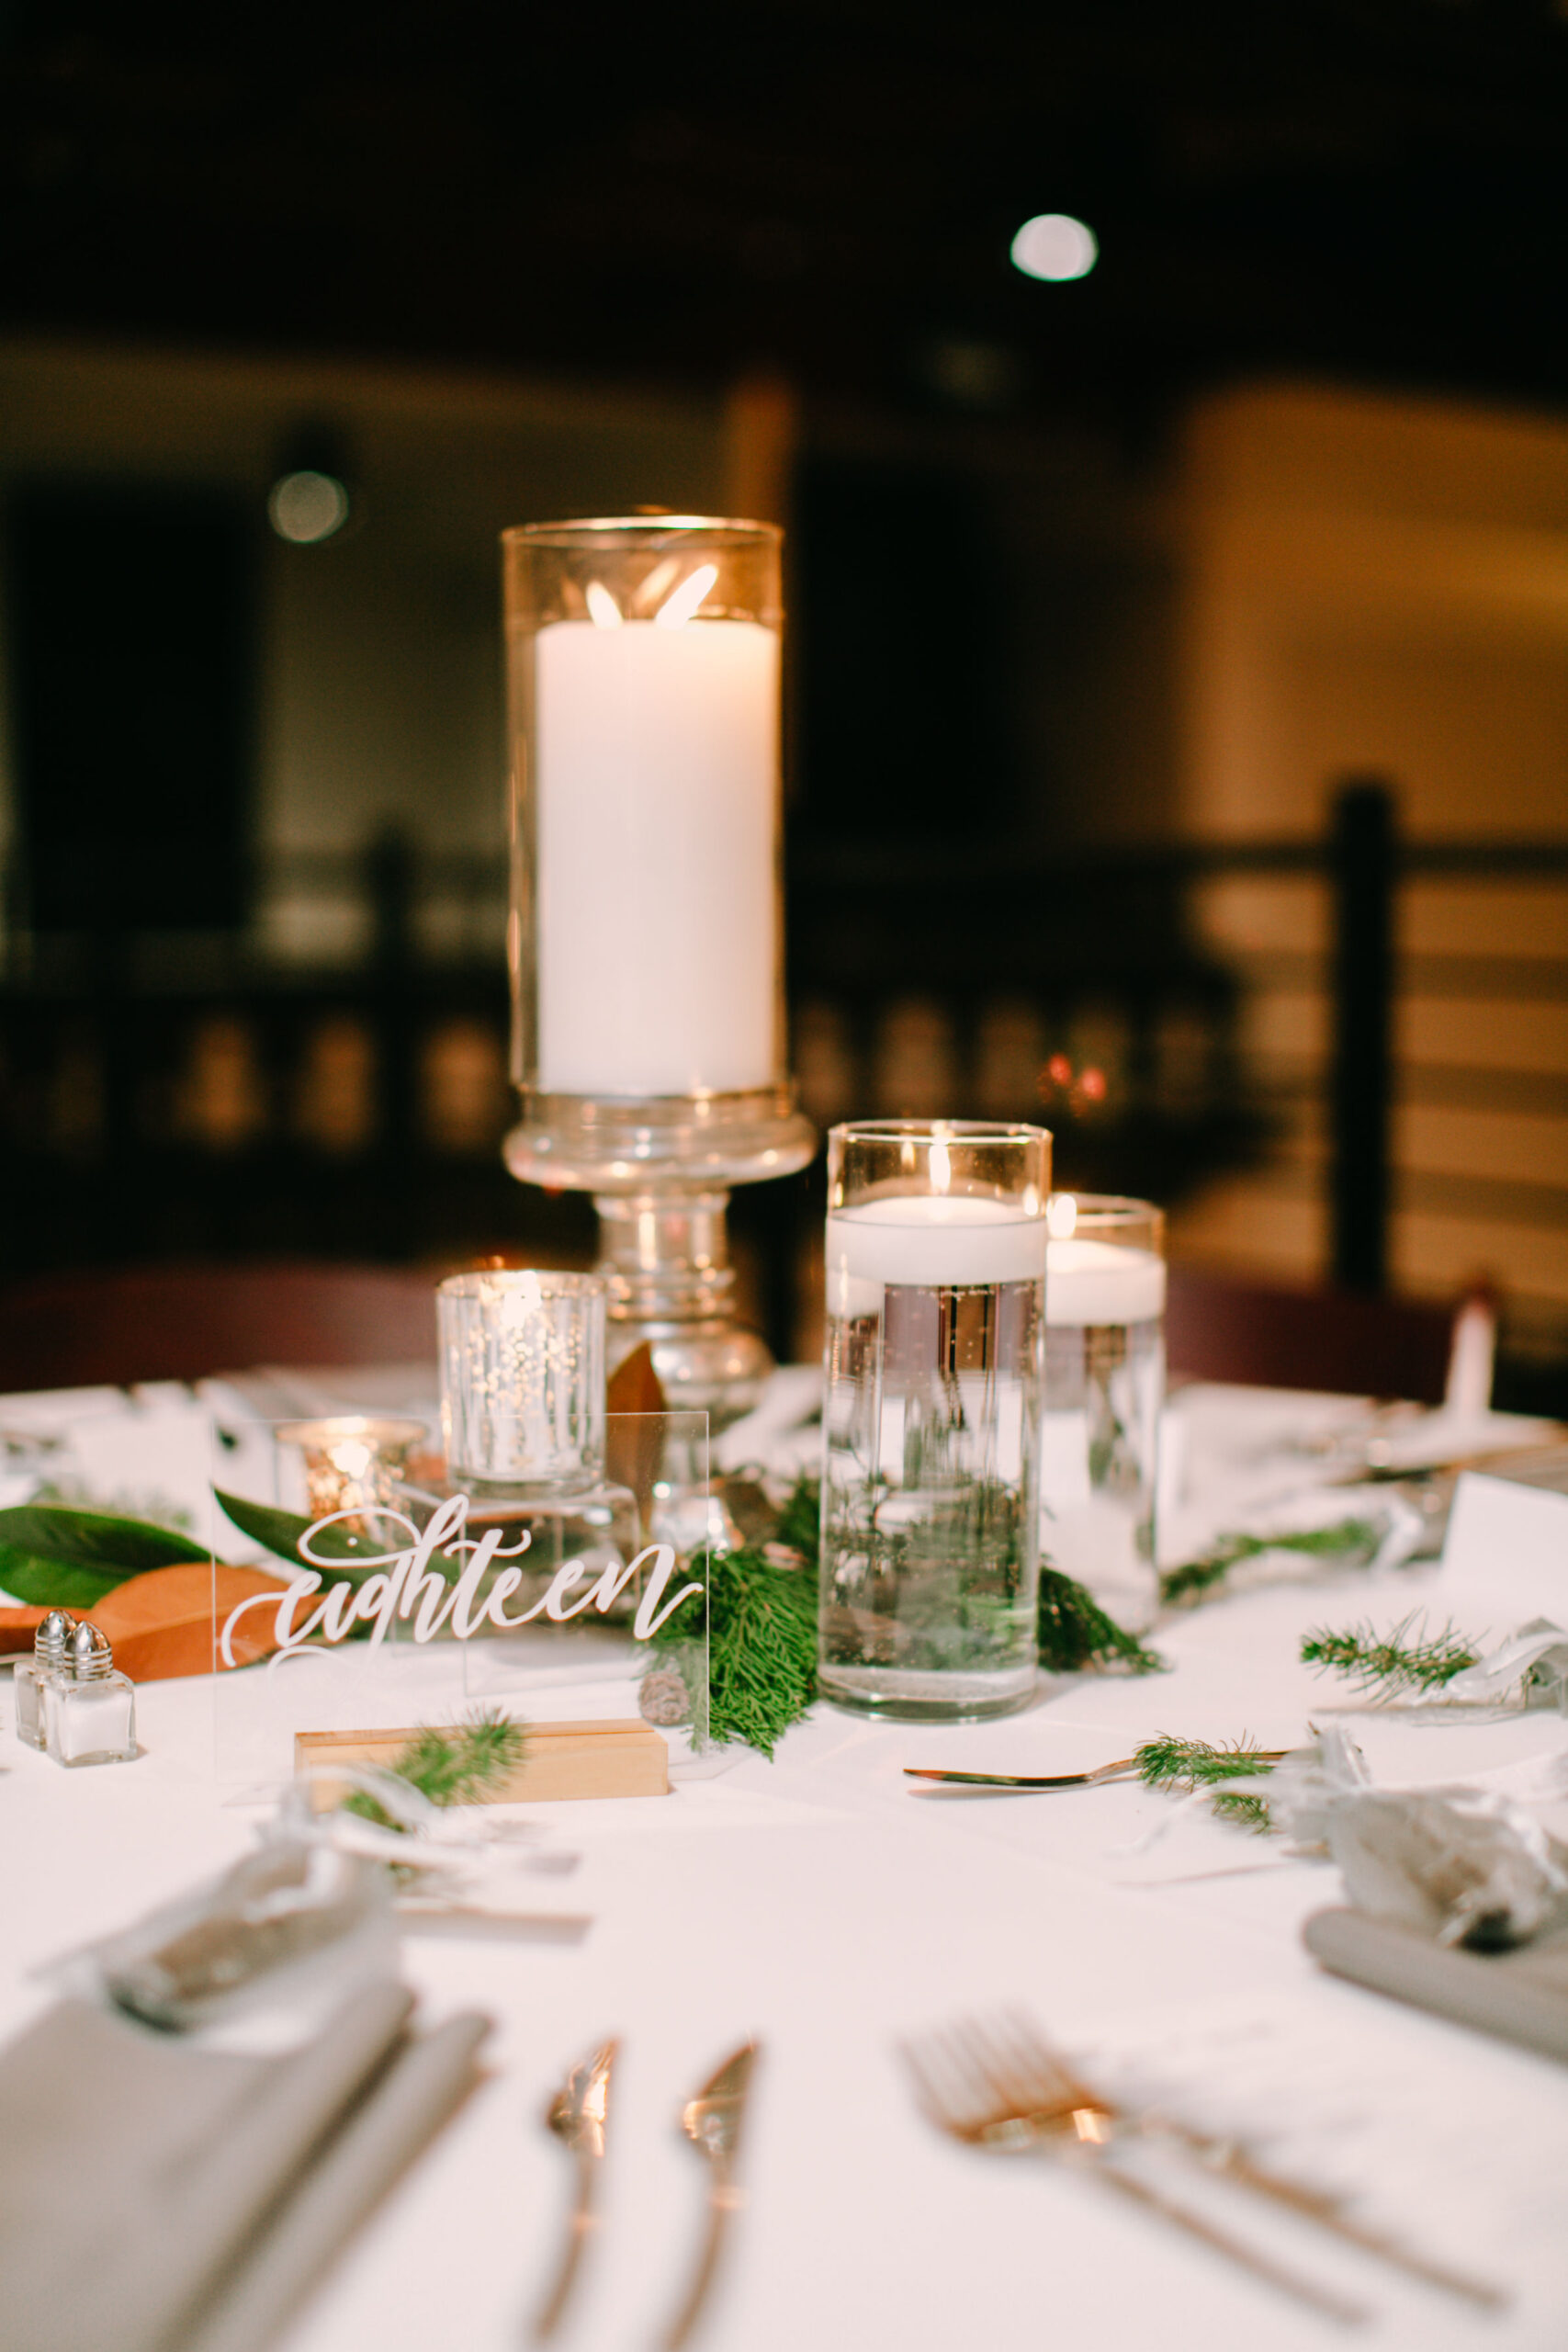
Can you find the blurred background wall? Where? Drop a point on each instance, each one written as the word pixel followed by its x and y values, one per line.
pixel 1100 593
pixel 1378 584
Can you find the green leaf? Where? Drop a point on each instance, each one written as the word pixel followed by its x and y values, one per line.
pixel 281 1531
pixel 52 1584
pixel 111 1547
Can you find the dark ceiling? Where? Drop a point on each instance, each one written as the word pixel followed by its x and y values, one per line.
pixel 1373 187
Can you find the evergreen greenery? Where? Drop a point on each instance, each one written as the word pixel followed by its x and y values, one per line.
pixel 1353 1542
pixel 451 1764
pixel 762 1624
pixel 1251 1811
pixel 1408 1657
pixel 762 1631
pixel 1164 1762
pixel 1076 1633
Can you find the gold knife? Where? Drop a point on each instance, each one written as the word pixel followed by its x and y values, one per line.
pixel 711 2121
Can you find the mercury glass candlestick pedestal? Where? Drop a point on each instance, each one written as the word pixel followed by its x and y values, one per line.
pixel 661 1172
pixel 646 940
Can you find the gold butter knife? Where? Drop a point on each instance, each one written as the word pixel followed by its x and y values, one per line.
pixel 711 2121
pixel 577 2115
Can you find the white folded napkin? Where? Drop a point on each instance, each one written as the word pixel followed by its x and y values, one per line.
pixel 156 2196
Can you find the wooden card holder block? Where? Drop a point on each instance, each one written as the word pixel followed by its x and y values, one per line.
pixel 560 1761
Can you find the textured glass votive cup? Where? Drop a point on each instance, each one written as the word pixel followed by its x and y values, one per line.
pixel 353 1461
pixel 522 1381
pixel 931 1417
pixel 1104 1389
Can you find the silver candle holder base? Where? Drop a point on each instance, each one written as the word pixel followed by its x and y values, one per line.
pixel 660 1170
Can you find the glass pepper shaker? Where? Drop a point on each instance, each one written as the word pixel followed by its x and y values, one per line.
pixel 50 1659
pixel 90 1711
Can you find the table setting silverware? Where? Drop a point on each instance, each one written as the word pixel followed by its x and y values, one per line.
pixel 712 2121
pixel 998 2083
pixel 577 2114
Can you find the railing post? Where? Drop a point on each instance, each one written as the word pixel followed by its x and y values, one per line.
pixel 1362 865
pixel 389 874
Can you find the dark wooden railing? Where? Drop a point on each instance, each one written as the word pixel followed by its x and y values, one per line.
pixel 178 1094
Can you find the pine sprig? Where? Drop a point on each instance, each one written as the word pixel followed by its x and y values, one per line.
pixel 1250 1812
pixel 1165 1763
pixel 762 1638
pixel 1409 1656
pixel 761 1648
pixel 1076 1633
pixel 451 1764
pixel 1354 1540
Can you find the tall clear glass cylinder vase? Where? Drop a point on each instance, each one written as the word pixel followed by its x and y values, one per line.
pixel 1104 1391
pixel 931 1486
pixel 645 941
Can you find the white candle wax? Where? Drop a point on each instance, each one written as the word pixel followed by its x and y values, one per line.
pixel 657 757
pixel 1097 1282
pixel 932 1238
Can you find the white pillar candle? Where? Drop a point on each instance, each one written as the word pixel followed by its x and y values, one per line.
pixel 657 756
pixel 934 1239
pixel 1097 1282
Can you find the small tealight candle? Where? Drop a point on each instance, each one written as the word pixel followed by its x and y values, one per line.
pixel 352 1459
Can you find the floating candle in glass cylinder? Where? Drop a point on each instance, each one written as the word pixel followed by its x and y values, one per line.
pixel 1104 1386
pixel 931 1418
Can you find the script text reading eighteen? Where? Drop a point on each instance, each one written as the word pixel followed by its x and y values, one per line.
pixel 404 1584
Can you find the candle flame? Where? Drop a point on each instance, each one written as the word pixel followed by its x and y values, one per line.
pixel 1061 1215
pixel 941 1167
pixel 664 575
pixel 603 609
pixel 682 603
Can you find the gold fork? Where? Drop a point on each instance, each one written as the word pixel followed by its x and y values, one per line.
pixel 1000 2083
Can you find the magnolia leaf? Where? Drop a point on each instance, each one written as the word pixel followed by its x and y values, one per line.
pixel 54 1584
pixel 110 1546
pixel 281 1531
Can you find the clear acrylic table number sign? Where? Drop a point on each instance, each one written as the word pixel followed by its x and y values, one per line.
pixel 303 1642
pixel 1104 1389
pixel 443 1593
pixel 930 1494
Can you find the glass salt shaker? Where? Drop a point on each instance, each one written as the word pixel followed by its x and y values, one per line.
pixel 90 1710
pixel 50 1660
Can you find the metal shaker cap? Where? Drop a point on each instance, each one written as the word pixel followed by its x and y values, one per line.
pixel 91 1657
pixel 51 1641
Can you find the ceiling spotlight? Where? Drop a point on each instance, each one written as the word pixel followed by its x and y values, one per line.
pixel 306 507
pixel 1054 246
pixel 314 487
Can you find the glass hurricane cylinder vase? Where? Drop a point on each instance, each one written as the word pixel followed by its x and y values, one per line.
pixel 1104 1389
pixel 645 939
pixel 931 1417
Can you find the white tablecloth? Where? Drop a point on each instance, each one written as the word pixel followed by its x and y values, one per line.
pixel 821 1903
